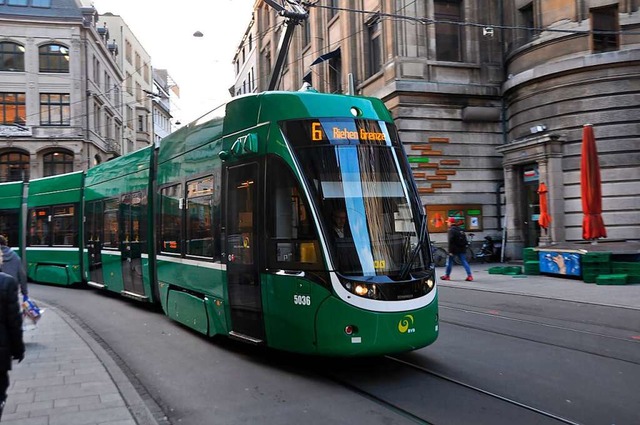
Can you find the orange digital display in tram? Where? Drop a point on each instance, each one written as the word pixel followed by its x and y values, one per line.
pixel 338 133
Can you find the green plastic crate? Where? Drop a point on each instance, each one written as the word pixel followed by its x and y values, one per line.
pixel 529 254
pixel 596 257
pixel 532 267
pixel 633 278
pixel 512 270
pixel 596 268
pixel 620 267
pixel 589 277
pixel 612 279
pixel 496 270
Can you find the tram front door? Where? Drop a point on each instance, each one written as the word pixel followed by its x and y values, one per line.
pixel 130 246
pixel 243 280
pixel 94 237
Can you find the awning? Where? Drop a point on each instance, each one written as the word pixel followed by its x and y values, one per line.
pixel 332 54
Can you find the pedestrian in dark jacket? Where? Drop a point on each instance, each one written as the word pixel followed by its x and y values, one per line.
pixel 11 343
pixel 457 248
pixel 12 264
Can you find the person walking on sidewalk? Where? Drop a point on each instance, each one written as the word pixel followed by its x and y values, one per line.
pixel 11 343
pixel 12 264
pixel 457 247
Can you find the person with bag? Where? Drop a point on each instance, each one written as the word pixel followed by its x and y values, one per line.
pixel 13 266
pixel 11 343
pixel 457 248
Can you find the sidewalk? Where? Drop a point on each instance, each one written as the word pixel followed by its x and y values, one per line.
pixel 544 286
pixel 67 378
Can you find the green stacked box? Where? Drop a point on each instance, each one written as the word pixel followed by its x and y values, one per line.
pixel 532 267
pixel 611 279
pixel 632 270
pixel 512 270
pixel 529 254
pixel 595 264
pixel 496 270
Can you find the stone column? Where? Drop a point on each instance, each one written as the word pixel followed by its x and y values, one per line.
pixel 514 244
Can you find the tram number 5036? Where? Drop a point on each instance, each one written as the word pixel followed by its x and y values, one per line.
pixel 302 299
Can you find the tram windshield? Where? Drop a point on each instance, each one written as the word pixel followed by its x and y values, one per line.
pixel 359 182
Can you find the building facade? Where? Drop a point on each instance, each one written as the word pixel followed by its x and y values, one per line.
pixel 135 63
pixel 165 92
pixel 489 99
pixel 59 90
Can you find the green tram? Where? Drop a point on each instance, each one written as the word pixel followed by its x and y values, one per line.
pixel 11 201
pixel 229 225
pixel 54 231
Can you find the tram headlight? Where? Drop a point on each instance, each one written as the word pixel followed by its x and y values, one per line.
pixel 430 283
pixel 361 290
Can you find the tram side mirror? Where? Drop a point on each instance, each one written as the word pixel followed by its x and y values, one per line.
pixel 223 155
pixel 250 143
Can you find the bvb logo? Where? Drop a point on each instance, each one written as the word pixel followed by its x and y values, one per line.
pixel 406 324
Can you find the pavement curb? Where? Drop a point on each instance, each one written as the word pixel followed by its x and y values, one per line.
pixel 134 402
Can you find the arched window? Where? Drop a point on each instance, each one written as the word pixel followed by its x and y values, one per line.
pixel 57 163
pixel 54 58
pixel 14 166
pixel 11 57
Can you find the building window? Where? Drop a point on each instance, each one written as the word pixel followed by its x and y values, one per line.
pixel 129 83
pixel 138 62
pixel 127 51
pixel 55 109
pixel 374 35
pixel 141 126
pixel 604 27
pixel 96 118
pixel 41 3
pixel 57 163
pixel 333 4
pixel 96 71
pixel 11 57
pixel 448 33
pixel 17 2
pixel 306 33
pixel 12 108
pixel 335 74
pixel 250 42
pixel 14 166
pixel 54 58
pixel 528 22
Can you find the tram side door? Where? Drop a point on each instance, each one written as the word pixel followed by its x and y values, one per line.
pixel 130 252
pixel 93 233
pixel 241 251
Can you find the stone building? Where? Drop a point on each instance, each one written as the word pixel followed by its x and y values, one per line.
pixel 489 98
pixel 59 89
pixel 135 63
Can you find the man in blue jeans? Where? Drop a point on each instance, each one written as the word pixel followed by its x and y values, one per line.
pixel 457 248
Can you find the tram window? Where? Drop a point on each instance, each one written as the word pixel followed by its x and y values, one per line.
pixel 171 219
pixel 63 219
pixel 111 228
pixel 199 235
pixel 293 238
pixel 9 226
pixel 39 226
pixel 93 226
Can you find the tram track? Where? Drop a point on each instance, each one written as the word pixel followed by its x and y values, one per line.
pixel 535 321
pixel 484 406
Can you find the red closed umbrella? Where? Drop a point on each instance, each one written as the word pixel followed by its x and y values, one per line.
pixel 591 187
pixel 545 219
